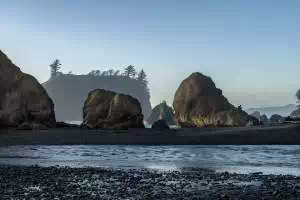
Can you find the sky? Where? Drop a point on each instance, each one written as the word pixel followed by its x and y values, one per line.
pixel 251 49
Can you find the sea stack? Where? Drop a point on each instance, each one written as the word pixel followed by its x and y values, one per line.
pixel 199 103
pixel 23 101
pixel 107 109
pixel 162 111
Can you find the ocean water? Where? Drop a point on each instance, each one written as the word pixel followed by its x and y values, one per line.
pixel 281 159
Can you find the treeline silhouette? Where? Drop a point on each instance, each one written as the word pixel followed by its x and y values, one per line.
pixel 68 91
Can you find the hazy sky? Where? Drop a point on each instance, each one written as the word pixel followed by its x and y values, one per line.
pixel 250 48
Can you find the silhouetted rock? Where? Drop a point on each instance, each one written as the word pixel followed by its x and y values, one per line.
pixel 106 109
pixel 276 118
pixel 69 91
pixel 66 125
pixel 162 111
pixel 160 125
pixel 296 113
pixel 255 114
pixel 24 102
pixel 263 119
pixel 199 103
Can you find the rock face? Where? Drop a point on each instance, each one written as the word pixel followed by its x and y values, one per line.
pixel 106 109
pixel 198 103
pixel 160 125
pixel 162 111
pixel 23 101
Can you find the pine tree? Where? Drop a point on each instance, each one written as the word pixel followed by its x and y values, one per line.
pixel 130 71
pixel 55 67
pixel 298 96
pixel 142 77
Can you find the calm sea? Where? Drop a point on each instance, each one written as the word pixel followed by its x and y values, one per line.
pixel 241 159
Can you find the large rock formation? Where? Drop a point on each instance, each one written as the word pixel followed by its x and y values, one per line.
pixel 162 111
pixel 199 103
pixel 68 92
pixel 106 109
pixel 23 101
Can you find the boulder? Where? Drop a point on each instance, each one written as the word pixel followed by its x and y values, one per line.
pixel 162 111
pixel 23 101
pixel 198 103
pixel 106 109
pixel 276 118
pixel 160 125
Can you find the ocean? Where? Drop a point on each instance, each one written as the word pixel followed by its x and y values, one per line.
pixel 268 159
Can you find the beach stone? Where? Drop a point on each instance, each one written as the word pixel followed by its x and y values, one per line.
pixel 161 125
pixel 107 109
pixel 162 111
pixel 198 103
pixel 22 98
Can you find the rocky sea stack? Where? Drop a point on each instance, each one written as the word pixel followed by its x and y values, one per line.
pixel 162 111
pixel 198 103
pixel 23 101
pixel 106 109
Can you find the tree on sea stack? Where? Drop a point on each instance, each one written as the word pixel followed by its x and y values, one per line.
pixel 142 77
pixel 55 67
pixel 298 96
pixel 130 71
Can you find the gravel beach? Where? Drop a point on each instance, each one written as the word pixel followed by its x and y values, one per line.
pixel 36 182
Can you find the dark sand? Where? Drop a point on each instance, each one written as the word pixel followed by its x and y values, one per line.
pixel 279 134
pixel 96 183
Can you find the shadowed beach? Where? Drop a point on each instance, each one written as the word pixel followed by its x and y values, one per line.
pixel 279 134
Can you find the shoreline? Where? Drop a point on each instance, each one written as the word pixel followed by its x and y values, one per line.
pixel 286 134
pixel 101 183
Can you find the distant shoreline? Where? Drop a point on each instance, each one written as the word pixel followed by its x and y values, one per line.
pixel 285 134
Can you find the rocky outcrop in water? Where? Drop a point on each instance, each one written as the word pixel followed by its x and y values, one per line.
pixel 198 103
pixel 68 92
pixel 24 103
pixel 106 109
pixel 162 111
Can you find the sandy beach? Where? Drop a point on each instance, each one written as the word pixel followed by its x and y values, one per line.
pixel 279 134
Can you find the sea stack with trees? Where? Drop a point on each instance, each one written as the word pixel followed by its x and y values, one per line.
pixel 69 90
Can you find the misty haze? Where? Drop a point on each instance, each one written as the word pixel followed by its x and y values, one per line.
pixel 149 99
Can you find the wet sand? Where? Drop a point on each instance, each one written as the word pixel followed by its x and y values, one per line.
pixel 279 134
pixel 97 183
